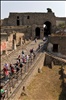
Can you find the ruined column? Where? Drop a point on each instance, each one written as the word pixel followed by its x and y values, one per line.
pixel 20 41
pixel 14 41
pixel 14 44
pixel 6 52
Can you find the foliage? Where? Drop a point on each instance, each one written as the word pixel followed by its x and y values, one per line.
pixel 63 25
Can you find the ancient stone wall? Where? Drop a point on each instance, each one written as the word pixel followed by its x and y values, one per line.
pixel 7 40
pixel 29 19
pixel 1 22
pixel 61 41
pixel 19 36
pixel 4 22
pixel 27 30
pixel 50 61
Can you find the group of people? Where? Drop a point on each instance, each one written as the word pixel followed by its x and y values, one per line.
pixel 10 69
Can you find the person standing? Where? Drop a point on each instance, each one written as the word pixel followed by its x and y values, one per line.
pixel 12 69
pixel 2 93
pixel 35 40
pixel 6 73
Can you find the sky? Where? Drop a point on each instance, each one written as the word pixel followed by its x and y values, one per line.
pixel 58 7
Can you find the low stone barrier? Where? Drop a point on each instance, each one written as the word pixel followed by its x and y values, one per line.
pixel 51 60
pixel 19 79
pixel 29 77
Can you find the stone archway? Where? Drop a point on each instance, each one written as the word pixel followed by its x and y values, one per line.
pixel 47 28
pixel 37 33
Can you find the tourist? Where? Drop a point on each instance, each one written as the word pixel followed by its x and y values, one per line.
pixel 24 60
pixel 17 67
pixel 31 51
pixel 34 55
pixel 23 55
pixel 27 58
pixel 2 93
pixel 21 64
pixel 12 69
pixel 31 55
pixel 39 46
pixel 22 52
pixel 19 58
pixel 6 73
pixel 6 66
pixel 35 40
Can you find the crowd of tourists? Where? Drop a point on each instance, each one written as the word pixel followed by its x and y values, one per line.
pixel 10 69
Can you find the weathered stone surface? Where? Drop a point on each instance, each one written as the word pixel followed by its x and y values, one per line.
pixel 32 21
pixel 61 41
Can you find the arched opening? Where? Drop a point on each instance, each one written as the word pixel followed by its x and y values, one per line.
pixel 18 22
pixel 37 32
pixel 47 28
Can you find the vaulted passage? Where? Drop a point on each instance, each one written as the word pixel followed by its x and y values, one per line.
pixel 47 28
pixel 37 32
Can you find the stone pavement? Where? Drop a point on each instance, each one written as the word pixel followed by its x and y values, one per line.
pixel 13 56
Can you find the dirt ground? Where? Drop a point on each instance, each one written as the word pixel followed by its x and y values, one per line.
pixel 45 86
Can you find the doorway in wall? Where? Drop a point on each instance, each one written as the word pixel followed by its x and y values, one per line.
pixel 37 33
pixel 55 47
pixel 47 28
pixel 18 22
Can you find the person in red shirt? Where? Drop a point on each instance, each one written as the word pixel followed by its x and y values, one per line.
pixel 6 73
